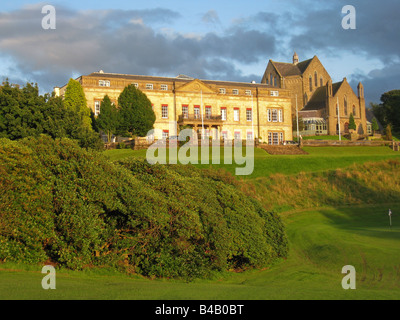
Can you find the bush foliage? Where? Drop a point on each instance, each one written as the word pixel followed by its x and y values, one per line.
pixel 61 203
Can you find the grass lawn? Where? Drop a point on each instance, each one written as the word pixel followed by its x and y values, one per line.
pixel 322 241
pixel 317 159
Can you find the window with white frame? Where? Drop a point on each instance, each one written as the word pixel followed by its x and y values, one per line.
pixel 274 115
pixel 223 114
pixel 249 135
pixel 249 114
pixel 164 87
pixel 97 104
pixel 222 90
pixel 208 112
pixel 247 92
pixel 274 93
pixel 236 114
pixel 237 135
pixel 185 111
pixel 275 138
pixel 235 92
pixel 196 112
pixel 149 86
pixel 224 135
pixel 104 83
pixel 164 111
pixel 136 85
pixel 165 134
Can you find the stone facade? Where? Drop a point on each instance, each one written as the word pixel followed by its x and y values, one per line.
pixel 312 89
pixel 224 109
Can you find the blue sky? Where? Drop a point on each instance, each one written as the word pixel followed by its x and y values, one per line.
pixel 220 40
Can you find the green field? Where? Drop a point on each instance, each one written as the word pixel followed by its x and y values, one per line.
pixel 317 159
pixel 322 241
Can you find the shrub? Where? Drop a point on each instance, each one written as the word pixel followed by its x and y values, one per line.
pixel 72 206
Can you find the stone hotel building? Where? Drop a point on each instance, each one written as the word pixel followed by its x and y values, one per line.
pixel 223 109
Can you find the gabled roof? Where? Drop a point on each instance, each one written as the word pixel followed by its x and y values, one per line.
pixel 289 69
pixel 318 99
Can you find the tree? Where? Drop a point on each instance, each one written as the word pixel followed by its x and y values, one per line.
pixel 388 132
pixel 108 119
pixel 352 123
pixel 375 125
pixel 136 114
pixel 389 110
pixel 75 101
pixel 25 113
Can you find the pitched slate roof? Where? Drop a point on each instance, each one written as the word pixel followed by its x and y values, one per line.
pixel 318 99
pixel 289 69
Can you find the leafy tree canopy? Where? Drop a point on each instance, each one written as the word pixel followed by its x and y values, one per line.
pixel 75 100
pixel 108 120
pixel 137 116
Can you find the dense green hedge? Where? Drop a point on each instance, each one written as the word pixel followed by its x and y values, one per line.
pixel 61 203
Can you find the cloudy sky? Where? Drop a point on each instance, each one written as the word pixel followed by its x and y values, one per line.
pixel 219 39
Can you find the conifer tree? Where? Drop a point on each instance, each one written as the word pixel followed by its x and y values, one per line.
pixel 108 119
pixel 352 123
pixel 136 114
pixel 75 101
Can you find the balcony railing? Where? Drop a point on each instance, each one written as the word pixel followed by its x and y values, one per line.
pixel 197 117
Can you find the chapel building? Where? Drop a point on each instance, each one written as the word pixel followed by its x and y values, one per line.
pixel 323 106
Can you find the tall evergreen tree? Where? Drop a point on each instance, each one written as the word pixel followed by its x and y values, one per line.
pixel 352 123
pixel 75 100
pixel 136 114
pixel 375 125
pixel 108 119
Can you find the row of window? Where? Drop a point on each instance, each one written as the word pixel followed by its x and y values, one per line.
pixel 164 87
pixel 273 115
pixel 310 81
pixel 345 108
pixel 224 134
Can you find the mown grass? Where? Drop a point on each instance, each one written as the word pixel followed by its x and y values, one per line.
pixel 317 159
pixel 334 203
pixel 322 242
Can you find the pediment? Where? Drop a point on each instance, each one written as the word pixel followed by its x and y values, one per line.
pixel 195 86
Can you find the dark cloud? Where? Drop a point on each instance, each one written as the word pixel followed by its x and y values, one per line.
pixel 123 42
pixel 135 41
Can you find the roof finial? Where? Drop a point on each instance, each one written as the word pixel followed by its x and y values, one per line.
pixel 295 58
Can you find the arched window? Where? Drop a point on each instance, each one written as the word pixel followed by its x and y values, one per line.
pixel 354 110
pixel 316 79
pixel 310 83
pixel 345 105
pixel 305 99
pixel 321 81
